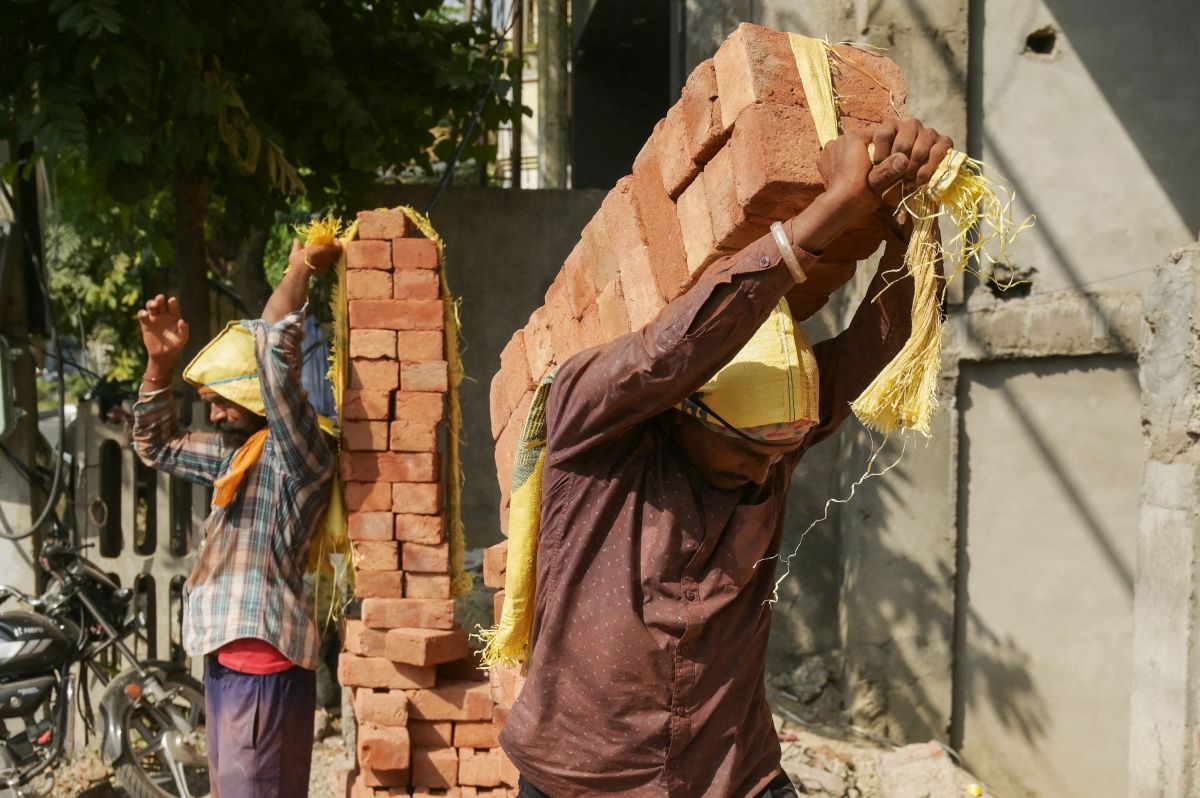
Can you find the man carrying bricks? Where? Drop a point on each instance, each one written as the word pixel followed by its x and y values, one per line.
pixel 270 468
pixel 662 495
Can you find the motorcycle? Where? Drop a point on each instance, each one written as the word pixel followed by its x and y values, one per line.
pixel 151 713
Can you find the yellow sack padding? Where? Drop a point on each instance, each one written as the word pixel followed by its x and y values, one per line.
pixel 228 366
pixel 772 381
pixel 507 643
pixel 904 393
pixel 813 63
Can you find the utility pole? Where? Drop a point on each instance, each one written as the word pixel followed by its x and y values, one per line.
pixel 518 54
pixel 553 117
pixel 18 498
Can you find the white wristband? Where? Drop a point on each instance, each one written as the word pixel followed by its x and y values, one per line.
pixel 786 251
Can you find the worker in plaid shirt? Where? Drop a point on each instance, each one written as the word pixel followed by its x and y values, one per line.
pixel 271 471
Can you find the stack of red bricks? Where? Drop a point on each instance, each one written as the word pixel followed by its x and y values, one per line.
pixel 427 724
pixel 738 151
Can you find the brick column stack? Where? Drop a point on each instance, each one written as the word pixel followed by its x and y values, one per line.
pixel 736 152
pixel 424 714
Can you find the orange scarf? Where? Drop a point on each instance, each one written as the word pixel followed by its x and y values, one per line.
pixel 227 486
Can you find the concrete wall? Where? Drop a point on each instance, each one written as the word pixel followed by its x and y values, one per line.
pixel 1050 455
pixel 503 248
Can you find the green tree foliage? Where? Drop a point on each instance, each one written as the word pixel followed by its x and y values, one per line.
pixel 177 133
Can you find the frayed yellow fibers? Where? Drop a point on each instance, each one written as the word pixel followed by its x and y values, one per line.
pixel 904 394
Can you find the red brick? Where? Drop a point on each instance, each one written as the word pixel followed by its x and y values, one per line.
pixel 383 707
pixel 539 344
pixel 370 436
pixel 428 586
pixel 579 287
pixel 599 259
pixel 695 223
pixel 733 226
pixel 371 526
pixel 419 529
pixel 373 343
pixel 389 466
pixel 397 314
pixel 777 175
pixel 421 498
pixel 426 646
pixel 756 64
pixel 675 164
pixel 495 563
pixel 610 304
pixel 378 584
pixel 382 224
pixel 478 769
pixel 428 377
pixel 357 405
pixel 626 235
pixel 415 346
pixel 368 284
pixel 382 783
pixel 425 558
pixel 356 671
pixel 508 771
pixel 476 735
pixel 382 747
pixel 376 555
pixel 414 253
pixel 434 767
pixel 363 641
pixel 511 382
pixel 378 375
pixel 505 684
pixel 497 606
pixel 420 408
pixel 694 127
pixel 461 700
pixel 368 496
pixel 500 716
pixel 369 255
pixel 382 613
pixel 408 436
pixel 416 284
pixel 660 224
pixel 431 734
pixel 870 87
pixel 585 333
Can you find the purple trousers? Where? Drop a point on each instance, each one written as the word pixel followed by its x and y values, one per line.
pixel 259 731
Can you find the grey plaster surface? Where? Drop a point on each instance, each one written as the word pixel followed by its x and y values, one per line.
pixel 1051 461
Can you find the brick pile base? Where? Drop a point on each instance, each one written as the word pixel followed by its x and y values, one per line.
pixel 737 151
pixel 427 724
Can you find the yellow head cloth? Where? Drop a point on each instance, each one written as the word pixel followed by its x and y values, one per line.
pixel 227 366
pixel 770 389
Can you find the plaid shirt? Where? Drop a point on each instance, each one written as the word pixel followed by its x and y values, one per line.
pixel 248 580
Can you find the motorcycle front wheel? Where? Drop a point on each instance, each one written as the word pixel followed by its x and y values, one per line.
pixel 159 760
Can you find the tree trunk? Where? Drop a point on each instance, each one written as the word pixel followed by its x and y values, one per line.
pixel 247 274
pixel 193 193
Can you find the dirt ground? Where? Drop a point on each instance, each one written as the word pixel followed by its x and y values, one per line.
pixel 822 762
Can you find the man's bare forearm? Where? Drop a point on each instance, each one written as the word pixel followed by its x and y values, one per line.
pixel 289 296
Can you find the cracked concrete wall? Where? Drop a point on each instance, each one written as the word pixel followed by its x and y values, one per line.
pixel 1163 757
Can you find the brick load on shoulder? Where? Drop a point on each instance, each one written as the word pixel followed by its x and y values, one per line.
pixel 738 151
pixel 423 729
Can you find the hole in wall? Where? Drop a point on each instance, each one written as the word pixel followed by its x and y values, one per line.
pixel 1010 282
pixel 1043 41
